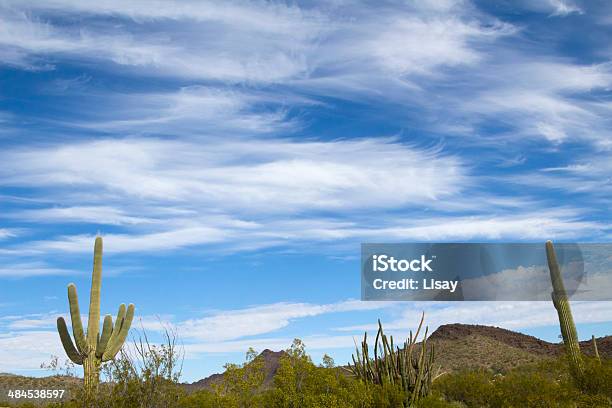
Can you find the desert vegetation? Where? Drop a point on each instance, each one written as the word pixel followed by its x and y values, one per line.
pixel 149 377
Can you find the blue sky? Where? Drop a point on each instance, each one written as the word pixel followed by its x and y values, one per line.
pixel 234 157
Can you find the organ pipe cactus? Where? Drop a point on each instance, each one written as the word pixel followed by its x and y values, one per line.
pixel 409 367
pixel 566 321
pixel 92 349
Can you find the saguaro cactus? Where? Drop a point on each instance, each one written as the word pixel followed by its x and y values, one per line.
pixel 92 349
pixel 566 321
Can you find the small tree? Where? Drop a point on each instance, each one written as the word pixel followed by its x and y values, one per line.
pixel 146 375
pixel 65 368
pixel 241 385
pixel 300 383
pixel 327 361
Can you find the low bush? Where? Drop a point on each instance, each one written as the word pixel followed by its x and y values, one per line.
pixel 543 385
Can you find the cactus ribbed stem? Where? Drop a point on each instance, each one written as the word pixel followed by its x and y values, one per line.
pixel 71 350
pixel 93 322
pixel 566 321
pixel 75 317
pixel 91 368
pixel 595 351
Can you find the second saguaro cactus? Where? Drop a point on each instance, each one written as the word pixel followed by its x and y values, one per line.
pixel 566 321
pixel 92 349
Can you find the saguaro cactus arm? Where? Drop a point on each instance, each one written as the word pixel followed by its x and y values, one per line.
pixel 69 347
pixel 75 317
pixel 107 330
pixel 119 320
pixel 116 341
pixel 117 328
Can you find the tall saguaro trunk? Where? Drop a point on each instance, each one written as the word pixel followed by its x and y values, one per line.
pixel 91 366
pixel 91 369
pixel 566 321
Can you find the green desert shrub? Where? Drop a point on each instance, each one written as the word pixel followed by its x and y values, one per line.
pixel 473 388
pixel 198 399
pixel 300 383
pixel 241 385
pixel 204 399
pixel 545 385
pixel 386 396
pixel 534 390
pixel 435 400
pixel 597 377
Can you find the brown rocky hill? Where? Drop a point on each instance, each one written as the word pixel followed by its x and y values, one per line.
pixel 463 346
pixel 10 381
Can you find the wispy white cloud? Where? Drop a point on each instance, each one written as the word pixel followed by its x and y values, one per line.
pixel 195 111
pixel 317 342
pixel 541 97
pixel 263 175
pixel 258 320
pixel 587 175
pixel 26 350
pixel 30 322
pixel 236 235
pixel 564 7
pixel 117 243
pixel 400 52
pixel 7 233
pixel 261 17
pixel 79 214
pixel 553 8
pixel 25 43
pixel 261 52
pixel 31 269
pixel 268 42
pixel 524 225
pixel 415 45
